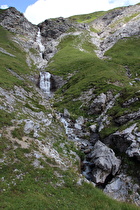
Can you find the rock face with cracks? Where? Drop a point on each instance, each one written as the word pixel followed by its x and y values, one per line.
pixel 104 162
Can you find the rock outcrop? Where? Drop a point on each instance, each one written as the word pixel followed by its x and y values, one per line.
pixel 104 162
pixel 127 141
pixel 115 25
pixel 14 21
pixel 122 188
pixel 53 28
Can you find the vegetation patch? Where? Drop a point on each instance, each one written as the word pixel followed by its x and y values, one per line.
pixel 18 133
pixel 16 64
pixel 5 118
pixel 88 71
pixel 87 18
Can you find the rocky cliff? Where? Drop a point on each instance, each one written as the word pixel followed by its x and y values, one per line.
pixel 70 109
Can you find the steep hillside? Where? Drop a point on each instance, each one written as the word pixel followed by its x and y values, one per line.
pixel 70 111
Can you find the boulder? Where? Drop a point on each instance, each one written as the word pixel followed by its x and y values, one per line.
pixel 66 113
pixel 105 162
pixel 79 123
pixel 93 128
pixel 30 126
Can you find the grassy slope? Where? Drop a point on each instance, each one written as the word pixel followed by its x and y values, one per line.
pixel 91 72
pixel 17 64
pixel 87 18
pixel 25 187
pixel 127 56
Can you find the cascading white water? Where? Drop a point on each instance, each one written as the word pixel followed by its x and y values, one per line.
pixel 69 131
pixel 38 40
pixel 45 82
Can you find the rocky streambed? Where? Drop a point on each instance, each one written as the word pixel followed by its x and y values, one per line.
pixel 99 163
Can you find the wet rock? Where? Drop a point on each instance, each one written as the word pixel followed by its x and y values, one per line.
pixel 79 123
pixel 105 162
pixel 94 137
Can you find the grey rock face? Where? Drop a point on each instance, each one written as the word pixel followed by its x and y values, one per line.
pixel 15 21
pixel 66 113
pixel 53 28
pixel 127 141
pixel 122 188
pixel 130 101
pixel 57 82
pixel 125 118
pixel 104 161
pixel 114 26
pixel 98 105
pixel 29 126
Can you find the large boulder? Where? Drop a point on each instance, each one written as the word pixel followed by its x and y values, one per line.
pixel 104 161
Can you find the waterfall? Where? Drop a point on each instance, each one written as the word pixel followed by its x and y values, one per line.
pixel 45 82
pixel 38 40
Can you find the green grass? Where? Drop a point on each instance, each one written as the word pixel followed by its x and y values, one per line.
pixel 61 198
pixel 127 54
pixel 18 133
pixel 90 72
pixel 26 187
pixel 87 18
pixel 17 64
pixel 5 118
